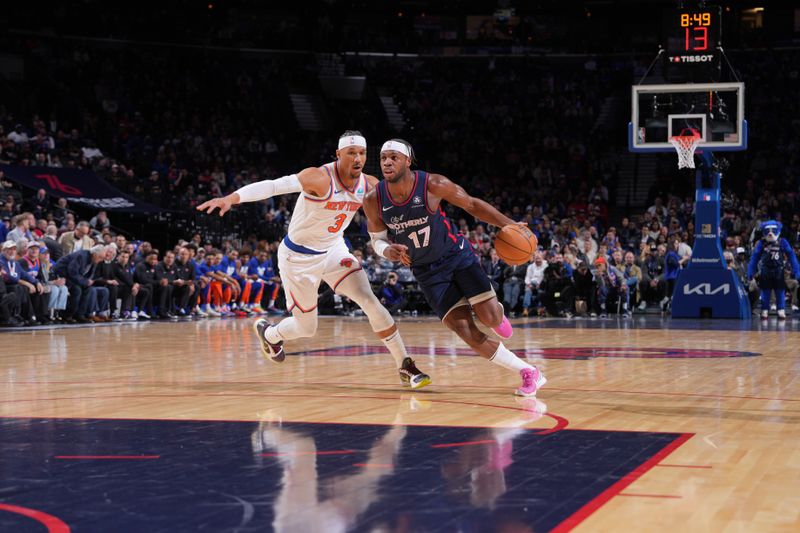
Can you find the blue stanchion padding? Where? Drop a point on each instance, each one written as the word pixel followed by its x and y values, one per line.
pixel 707 286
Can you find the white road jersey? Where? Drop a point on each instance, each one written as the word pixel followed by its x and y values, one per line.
pixel 319 223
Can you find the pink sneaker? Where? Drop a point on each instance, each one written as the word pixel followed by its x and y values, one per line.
pixel 532 381
pixel 504 330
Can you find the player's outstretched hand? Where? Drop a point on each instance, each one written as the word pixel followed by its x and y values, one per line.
pixel 398 252
pixel 224 205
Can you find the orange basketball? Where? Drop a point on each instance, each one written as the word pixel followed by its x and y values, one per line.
pixel 515 244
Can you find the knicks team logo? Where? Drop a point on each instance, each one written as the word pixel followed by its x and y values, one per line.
pixel 346 262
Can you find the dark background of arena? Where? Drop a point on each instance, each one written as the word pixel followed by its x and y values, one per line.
pixel 525 104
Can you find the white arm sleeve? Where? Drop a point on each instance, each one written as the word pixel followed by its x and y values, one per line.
pixel 261 190
pixel 380 242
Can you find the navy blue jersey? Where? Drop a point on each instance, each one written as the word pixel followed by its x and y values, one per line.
pixel 426 233
pixel 770 258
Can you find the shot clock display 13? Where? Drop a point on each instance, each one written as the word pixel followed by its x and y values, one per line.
pixel 693 38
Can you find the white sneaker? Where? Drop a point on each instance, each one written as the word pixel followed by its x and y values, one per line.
pixel 642 305
pixel 764 314
pixel 142 314
pixel 782 314
pixel 199 312
pixel 795 308
pixel 134 315
pixel 773 308
pixel 213 312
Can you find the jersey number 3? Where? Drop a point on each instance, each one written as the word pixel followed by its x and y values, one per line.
pixel 426 236
pixel 340 218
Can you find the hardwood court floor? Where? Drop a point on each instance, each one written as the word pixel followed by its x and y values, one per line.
pixel 726 401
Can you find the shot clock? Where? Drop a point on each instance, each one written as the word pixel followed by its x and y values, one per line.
pixel 693 40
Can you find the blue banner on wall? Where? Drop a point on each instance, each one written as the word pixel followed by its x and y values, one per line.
pixel 78 187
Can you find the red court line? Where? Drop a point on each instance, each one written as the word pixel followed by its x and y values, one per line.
pixel 598 501
pixel 52 523
pixel 107 457
pixel 561 422
pixel 374 465
pixel 465 443
pixel 670 496
pixel 295 454
pixel 393 385
pixel 686 466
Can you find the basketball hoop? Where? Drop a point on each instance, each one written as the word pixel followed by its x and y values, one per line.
pixel 685 144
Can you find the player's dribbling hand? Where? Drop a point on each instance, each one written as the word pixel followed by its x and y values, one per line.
pixel 224 205
pixel 398 253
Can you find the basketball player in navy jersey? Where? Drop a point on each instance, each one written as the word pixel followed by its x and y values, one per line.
pixel 407 205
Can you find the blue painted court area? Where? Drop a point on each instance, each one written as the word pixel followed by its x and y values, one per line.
pixel 168 476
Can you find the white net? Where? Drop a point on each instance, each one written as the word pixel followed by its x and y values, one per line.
pixel 685 145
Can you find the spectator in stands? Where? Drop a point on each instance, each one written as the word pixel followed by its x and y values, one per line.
pixel 558 293
pixel 494 269
pixel 610 287
pixel 8 307
pixel 166 276
pixel 145 276
pixel 184 288
pixel 50 240
pixel 513 278
pixel 534 275
pixel 19 282
pixel 61 211
pixel 100 222
pixel 633 276
pixel 78 270
pixel 105 276
pixel 56 286
pixel 391 295
pixel 5 227
pixel 75 241
pixel 652 286
pixel 22 228
pixel 40 204
pixel 585 289
pixel 31 264
pixel 262 268
pixel 132 295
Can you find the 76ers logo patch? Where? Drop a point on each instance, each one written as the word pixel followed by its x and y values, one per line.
pixel 346 262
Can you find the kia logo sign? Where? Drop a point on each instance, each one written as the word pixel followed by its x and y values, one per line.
pixel 704 289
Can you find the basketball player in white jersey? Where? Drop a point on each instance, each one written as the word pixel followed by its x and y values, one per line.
pixel 314 251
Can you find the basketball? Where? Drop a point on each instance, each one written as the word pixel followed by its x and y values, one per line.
pixel 515 244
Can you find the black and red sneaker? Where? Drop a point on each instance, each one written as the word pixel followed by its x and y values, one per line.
pixel 272 352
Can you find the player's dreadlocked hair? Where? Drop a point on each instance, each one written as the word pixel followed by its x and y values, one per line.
pixel 411 155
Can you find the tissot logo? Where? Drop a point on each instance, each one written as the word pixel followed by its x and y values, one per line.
pixel 692 59
pixel 704 289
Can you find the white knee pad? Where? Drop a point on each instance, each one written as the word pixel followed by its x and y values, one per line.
pixel 357 288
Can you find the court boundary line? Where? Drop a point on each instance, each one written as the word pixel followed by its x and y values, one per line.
pixel 615 489
pixel 427 391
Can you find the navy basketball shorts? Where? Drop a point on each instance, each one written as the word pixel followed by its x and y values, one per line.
pixel 772 281
pixel 453 281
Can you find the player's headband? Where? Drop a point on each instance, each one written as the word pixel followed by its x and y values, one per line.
pixel 396 146
pixel 352 140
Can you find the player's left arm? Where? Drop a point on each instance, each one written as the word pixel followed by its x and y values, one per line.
pixel 445 189
pixel 787 249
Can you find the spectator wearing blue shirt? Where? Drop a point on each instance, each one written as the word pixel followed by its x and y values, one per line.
pixel 672 266
pixel 18 281
pixel 78 269
pixel 391 294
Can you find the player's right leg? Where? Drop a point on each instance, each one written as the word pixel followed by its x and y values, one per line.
pixel 459 320
pixel 351 281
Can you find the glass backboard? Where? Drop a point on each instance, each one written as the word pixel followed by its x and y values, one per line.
pixel 714 110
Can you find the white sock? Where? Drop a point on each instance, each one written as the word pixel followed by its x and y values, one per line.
pixel 394 343
pixel 272 335
pixel 507 359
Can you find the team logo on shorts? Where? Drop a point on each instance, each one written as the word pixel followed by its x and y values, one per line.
pixel 346 262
